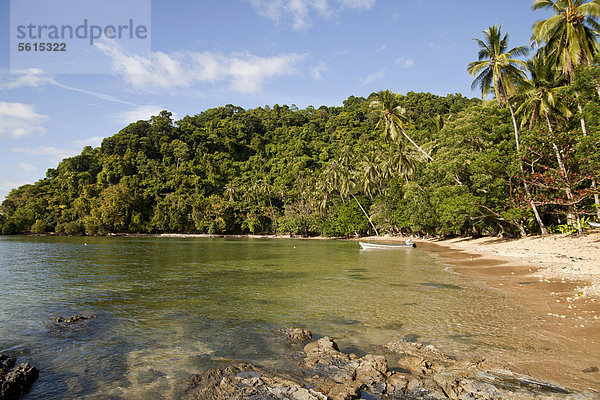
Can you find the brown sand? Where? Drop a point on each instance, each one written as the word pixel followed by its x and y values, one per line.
pixel 557 280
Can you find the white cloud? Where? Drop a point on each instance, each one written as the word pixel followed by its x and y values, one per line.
pixel 54 154
pixel 299 13
pixel 245 73
pixel 405 62
pixel 33 77
pixel 142 113
pixel 27 167
pixel 318 70
pixel 93 141
pixel 18 120
pixel 375 76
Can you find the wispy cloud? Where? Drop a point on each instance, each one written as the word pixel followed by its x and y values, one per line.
pixel 18 120
pixel 299 13
pixel 405 62
pixel 142 113
pixel 317 71
pixel 381 48
pixel 373 77
pixel 244 72
pixel 53 154
pixel 101 96
pixel 27 167
pixel 35 77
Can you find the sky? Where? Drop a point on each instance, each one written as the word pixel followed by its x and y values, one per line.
pixel 250 53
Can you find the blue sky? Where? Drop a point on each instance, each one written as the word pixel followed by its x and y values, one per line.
pixel 207 53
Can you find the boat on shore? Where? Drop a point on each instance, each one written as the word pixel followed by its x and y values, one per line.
pixel 372 246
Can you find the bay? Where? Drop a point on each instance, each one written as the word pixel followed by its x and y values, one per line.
pixel 169 307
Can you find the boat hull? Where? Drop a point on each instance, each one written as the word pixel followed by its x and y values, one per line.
pixel 368 246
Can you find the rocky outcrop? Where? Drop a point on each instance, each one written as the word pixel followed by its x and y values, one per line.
pixel 15 380
pixel 423 372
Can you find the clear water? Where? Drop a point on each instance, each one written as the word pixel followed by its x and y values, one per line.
pixel 168 307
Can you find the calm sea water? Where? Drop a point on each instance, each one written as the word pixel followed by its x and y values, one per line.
pixel 168 307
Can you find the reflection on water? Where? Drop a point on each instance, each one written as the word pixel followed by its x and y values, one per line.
pixel 168 307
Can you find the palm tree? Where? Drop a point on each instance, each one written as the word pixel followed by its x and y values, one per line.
pixel 338 175
pixel 571 34
pixel 497 70
pixel 388 105
pixel 571 37
pixel 540 96
pixel 230 191
pixel 541 99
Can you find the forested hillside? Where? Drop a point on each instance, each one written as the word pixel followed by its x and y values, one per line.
pixel 527 161
pixel 333 171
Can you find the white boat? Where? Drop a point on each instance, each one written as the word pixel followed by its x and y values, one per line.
pixel 594 224
pixel 366 246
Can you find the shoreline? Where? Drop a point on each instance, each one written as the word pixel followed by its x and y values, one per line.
pixel 556 280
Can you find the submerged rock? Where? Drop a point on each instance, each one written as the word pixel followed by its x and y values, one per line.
pixel 15 380
pixel 297 335
pixel 73 319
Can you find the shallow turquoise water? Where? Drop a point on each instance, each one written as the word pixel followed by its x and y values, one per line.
pixel 167 307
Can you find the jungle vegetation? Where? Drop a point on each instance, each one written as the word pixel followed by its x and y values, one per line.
pixel 523 159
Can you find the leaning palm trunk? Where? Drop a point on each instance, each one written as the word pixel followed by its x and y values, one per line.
pixel 364 212
pixel 416 145
pixel 525 184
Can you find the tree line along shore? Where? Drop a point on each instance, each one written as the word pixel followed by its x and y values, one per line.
pixel 526 161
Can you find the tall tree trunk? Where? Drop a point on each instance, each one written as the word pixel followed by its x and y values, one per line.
pixel 584 130
pixel 525 184
pixel 572 214
pixel 364 212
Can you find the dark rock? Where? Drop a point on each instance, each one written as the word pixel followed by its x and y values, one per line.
pixel 297 335
pixel 590 370
pixel 73 319
pixel 15 380
pixel 6 364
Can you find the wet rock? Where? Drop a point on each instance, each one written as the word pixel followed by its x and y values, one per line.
pixel 73 319
pixel 15 380
pixel 297 335
pixel 343 376
pixel 434 375
pixel 327 373
pixel 245 381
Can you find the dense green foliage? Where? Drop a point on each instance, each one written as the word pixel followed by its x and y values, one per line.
pixel 417 163
pixel 304 172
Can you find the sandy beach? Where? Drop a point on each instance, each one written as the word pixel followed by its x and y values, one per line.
pixel 556 279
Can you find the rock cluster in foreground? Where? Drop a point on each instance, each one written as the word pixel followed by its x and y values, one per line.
pixel 325 373
pixel 15 380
